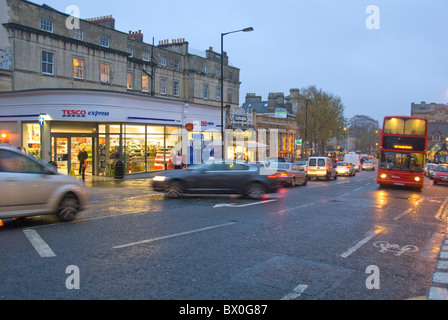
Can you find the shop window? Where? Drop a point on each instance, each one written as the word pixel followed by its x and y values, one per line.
pixel 109 128
pixel 31 138
pixel 157 156
pixel 156 130
pixel 109 153
pixel 134 148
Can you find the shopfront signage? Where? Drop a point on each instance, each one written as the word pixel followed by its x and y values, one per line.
pixel 80 113
pixel 189 126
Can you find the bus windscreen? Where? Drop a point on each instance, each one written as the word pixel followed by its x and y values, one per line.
pixel 403 126
pixel 402 161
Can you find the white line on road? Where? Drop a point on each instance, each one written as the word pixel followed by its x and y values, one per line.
pixel 358 245
pixel 234 205
pixel 403 214
pixel 173 235
pixel 296 292
pixel 39 244
pixel 442 213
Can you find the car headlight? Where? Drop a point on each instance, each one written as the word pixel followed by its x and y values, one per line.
pixel 159 178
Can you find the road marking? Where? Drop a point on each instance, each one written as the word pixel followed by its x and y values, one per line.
pixel 234 205
pixel 299 207
pixel 358 245
pixel 403 214
pixel 296 292
pixel 39 244
pixel 442 213
pixel 173 235
pixel 436 293
pixel 358 188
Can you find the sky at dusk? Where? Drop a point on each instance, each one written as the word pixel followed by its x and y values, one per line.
pixel 378 62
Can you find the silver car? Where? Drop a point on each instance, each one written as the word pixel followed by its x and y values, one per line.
pixel 288 174
pixel 31 187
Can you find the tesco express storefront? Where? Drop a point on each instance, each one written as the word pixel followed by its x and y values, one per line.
pixel 143 132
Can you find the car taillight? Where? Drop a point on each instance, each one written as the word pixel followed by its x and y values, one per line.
pixel 278 175
pixel 348 167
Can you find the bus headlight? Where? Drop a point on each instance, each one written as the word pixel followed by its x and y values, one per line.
pixel 383 176
pixel 417 179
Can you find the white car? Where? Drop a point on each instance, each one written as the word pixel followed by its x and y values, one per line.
pixel 31 187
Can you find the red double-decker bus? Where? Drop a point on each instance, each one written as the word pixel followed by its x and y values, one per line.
pixel 403 151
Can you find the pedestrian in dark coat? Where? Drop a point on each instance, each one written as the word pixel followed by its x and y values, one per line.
pixel 82 157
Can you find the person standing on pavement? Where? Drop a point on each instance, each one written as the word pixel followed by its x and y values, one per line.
pixel 82 157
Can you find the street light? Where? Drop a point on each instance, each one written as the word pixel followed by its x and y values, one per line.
pixel 306 121
pixel 222 82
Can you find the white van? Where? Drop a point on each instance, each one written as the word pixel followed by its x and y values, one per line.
pixel 321 167
pixel 355 159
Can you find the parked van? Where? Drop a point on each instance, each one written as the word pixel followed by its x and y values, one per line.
pixel 321 167
pixel 355 159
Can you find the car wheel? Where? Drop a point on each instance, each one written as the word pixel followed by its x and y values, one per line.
pixel 293 182
pixel 68 208
pixel 305 181
pixel 174 190
pixel 255 191
pixel 328 177
pixel 335 176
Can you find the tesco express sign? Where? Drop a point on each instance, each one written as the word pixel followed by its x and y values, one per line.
pixel 79 113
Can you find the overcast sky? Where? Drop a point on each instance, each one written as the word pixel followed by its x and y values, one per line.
pixel 401 58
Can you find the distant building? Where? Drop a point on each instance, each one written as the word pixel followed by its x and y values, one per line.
pixel 434 112
pixel 437 115
pixel 276 114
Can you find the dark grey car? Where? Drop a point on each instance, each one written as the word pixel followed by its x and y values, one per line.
pixel 216 178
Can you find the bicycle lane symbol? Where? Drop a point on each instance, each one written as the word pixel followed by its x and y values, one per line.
pixel 397 250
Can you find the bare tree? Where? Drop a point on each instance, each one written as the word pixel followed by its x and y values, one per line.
pixel 363 130
pixel 320 117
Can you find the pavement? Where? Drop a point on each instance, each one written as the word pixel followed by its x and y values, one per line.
pixel 137 180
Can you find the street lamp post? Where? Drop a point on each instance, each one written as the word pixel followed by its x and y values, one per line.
pixel 222 82
pixel 306 122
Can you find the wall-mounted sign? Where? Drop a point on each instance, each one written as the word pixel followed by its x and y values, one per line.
pixel 189 126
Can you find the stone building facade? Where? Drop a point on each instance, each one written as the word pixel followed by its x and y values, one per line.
pixel 437 115
pixel 276 115
pixel 39 48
